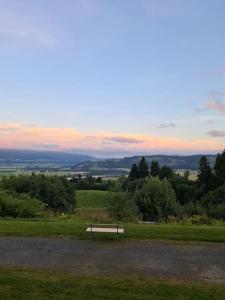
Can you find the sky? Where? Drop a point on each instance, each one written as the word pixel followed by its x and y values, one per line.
pixel 113 77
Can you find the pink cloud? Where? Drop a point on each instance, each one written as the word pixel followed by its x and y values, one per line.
pixel 216 105
pixel 216 133
pixel 64 139
pixel 215 102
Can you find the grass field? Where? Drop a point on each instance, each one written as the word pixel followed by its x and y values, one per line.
pixel 76 229
pixel 36 285
pixel 92 199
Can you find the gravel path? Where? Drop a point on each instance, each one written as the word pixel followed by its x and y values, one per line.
pixel 150 259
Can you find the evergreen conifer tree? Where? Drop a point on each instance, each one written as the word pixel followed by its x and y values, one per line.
pixel 219 169
pixel 205 175
pixel 154 169
pixel 143 169
pixel 133 172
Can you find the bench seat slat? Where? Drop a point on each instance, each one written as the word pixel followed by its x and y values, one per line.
pixel 106 229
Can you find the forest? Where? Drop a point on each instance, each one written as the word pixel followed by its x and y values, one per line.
pixel 158 193
pixel 149 193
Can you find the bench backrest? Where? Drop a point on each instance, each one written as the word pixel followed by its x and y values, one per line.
pixel 105 226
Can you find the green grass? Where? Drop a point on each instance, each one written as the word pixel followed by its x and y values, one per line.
pixel 38 285
pixel 92 199
pixel 76 229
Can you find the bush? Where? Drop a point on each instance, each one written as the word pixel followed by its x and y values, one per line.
pixel 192 209
pixel 184 190
pixel 214 198
pixel 89 183
pixel 217 212
pixel 18 205
pixel 134 185
pixel 56 192
pixel 156 199
pixel 122 208
pixel 200 220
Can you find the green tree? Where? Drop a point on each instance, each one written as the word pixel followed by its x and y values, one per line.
pixel 156 199
pixel 154 169
pixel 205 175
pixel 219 169
pixel 184 189
pixel 122 208
pixel 57 193
pixel 166 172
pixel 143 168
pixel 133 172
pixel 19 205
pixel 214 198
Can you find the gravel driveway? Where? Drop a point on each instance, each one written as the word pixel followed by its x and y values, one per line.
pixel 149 259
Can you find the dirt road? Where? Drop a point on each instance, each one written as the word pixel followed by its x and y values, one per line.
pixel 150 259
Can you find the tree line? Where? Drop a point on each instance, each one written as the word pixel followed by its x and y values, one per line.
pixel 156 192
pixel 27 196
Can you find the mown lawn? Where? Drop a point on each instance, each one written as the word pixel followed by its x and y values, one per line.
pixel 39 285
pixel 92 199
pixel 76 229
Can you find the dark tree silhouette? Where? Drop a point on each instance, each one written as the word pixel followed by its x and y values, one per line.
pixel 133 172
pixel 166 172
pixel 143 169
pixel 205 176
pixel 219 169
pixel 154 169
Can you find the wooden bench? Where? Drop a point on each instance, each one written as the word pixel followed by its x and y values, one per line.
pixel 105 228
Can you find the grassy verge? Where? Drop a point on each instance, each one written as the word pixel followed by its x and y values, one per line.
pixel 75 229
pixel 36 285
pixel 92 199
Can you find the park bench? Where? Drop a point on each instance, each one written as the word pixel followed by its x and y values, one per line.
pixel 105 228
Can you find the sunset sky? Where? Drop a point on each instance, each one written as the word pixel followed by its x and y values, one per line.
pixel 113 77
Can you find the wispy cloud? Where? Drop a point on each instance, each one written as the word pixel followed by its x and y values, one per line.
pixel 216 133
pixel 215 102
pixel 216 105
pixel 64 139
pixel 124 140
pixel 166 125
pixel 45 146
pixel 9 127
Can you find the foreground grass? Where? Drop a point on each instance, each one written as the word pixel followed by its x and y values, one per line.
pixel 75 229
pixel 92 199
pixel 38 285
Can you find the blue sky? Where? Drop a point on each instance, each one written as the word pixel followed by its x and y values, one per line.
pixel 111 77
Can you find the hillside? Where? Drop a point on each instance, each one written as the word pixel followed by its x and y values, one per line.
pixel 123 165
pixel 9 156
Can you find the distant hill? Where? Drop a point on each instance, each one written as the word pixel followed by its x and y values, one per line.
pixel 123 165
pixel 43 160
pixel 8 156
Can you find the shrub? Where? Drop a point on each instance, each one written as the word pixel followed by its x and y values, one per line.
pixel 56 192
pixel 217 212
pixel 122 208
pixel 192 209
pixel 184 189
pixel 156 199
pixel 200 220
pixel 18 205
pixel 214 198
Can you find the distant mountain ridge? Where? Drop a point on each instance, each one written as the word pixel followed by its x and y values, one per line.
pixel 9 156
pixel 86 163
pixel 176 162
